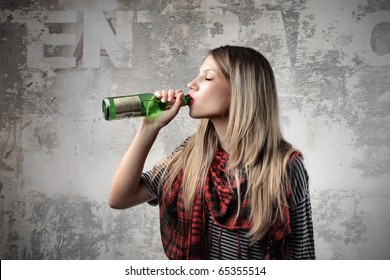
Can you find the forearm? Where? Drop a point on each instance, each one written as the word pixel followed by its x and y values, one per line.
pixel 126 189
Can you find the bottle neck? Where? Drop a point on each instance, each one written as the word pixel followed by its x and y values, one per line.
pixel 187 100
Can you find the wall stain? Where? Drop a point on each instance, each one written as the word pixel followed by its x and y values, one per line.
pixel 11 156
pixel 340 221
pixel 350 220
pixel 354 97
pixel 72 227
pixel 13 44
pixel 45 138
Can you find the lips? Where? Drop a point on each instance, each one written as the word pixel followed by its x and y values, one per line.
pixel 192 100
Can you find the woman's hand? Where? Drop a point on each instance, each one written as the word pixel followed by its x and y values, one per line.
pixel 175 97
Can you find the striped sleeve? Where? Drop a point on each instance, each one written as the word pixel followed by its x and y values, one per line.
pixel 152 182
pixel 302 243
pixel 151 187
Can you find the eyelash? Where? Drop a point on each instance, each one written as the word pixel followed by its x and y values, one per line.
pixel 207 79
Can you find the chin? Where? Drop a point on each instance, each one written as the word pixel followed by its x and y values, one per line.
pixel 192 114
pixel 195 116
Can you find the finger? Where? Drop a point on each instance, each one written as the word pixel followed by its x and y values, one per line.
pixel 158 94
pixel 164 96
pixel 171 95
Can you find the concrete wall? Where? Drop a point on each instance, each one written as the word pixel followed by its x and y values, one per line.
pixel 58 59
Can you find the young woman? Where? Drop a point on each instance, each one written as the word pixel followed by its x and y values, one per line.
pixel 235 189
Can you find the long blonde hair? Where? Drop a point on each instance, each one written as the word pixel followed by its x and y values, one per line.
pixel 257 149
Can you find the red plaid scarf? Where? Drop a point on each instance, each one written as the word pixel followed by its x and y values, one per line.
pixel 183 235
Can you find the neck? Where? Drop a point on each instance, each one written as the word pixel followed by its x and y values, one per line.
pixel 220 127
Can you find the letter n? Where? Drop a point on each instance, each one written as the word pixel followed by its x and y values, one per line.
pixel 116 40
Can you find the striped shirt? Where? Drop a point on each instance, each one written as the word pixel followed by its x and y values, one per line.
pixel 234 244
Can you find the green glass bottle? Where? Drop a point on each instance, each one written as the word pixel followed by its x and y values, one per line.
pixel 138 105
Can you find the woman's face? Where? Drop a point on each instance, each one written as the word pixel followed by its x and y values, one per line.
pixel 210 92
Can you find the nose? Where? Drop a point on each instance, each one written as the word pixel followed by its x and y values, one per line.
pixel 192 85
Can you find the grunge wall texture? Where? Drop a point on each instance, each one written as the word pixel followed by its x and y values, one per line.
pixel 58 59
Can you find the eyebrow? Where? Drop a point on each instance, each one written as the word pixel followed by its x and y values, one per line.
pixel 207 70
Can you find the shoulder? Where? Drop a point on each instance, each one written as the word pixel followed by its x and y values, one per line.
pixel 298 179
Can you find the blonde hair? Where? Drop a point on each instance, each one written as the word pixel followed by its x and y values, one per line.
pixel 257 149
